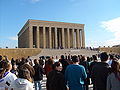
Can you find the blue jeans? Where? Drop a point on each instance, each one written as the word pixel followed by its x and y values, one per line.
pixel 37 85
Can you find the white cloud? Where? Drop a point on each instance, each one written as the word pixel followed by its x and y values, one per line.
pixel 112 26
pixel 13 38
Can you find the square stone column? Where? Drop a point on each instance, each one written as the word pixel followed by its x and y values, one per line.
pixel 68 38
pixel 83 39
pixel 44 38
pixel 63 38
pixel 56 38
pixel 50 39
pixel 73 38
pixel 30 36
pixel 37 37
pixel 78 38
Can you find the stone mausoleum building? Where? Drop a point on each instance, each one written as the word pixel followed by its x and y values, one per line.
pixel 51 34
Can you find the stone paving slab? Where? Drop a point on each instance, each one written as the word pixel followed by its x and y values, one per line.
pixel 44 84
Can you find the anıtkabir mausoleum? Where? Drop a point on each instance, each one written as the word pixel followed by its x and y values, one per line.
pixel 51 34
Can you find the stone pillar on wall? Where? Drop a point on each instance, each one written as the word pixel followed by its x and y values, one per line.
pixel 56 41
pixel 50 42
pixel 63 38
pixel 68 38
pixel 30 35
pixel 78 38
pixel 73 38
pixel 83 38
pixel 37 37
pixel 44 38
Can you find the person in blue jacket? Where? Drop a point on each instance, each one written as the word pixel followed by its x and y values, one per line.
pixel 75 75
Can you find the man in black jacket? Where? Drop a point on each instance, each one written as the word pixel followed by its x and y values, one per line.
pixel 55 79
pixel 64 63
pixel 38 75
pixel 100 72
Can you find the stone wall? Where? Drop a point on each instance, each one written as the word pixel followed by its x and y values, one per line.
pixel 110 49
pixel 19 52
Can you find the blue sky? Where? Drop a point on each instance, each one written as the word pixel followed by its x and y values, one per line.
pixel 101 18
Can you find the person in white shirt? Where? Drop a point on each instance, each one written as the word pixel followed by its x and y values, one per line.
pixel 6 77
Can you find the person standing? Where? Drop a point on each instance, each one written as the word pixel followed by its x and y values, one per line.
pixel 6 77
pixel 75 75
pixel 64 63
pixel 113 80
pixel 85 63
pixel 55 79
pixel 99 73
pixel 23 82
pixel 38 76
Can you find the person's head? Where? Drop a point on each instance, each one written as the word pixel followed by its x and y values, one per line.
pixel 50 61
pixel 111 57
pixel 88 59
pixel 94 57
pixel 30 68
pixel 115 66
pixel 0 57
pixel 26 61
pixel 36 61
pixel 104 56
pixel 23 60
pixel 75 59
pixel 4 66
pixel 9 66
pixel 57 66
pixel 62 57
pixel 24 73
pixel 83 58
pixel 28 57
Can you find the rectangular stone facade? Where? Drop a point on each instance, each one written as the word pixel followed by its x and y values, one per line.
pixel 51 34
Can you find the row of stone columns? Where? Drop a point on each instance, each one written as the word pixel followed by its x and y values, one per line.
pixel 79 37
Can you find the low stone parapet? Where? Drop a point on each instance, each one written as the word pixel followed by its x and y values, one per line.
pixel 19 52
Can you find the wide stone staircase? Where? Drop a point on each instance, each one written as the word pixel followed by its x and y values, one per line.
pixel 59 52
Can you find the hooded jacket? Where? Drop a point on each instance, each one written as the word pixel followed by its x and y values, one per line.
pixel 22 84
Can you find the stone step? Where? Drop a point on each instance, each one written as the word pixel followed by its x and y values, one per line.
pixel 59 52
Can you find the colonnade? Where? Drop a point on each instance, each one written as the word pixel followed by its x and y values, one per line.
pixel 56 37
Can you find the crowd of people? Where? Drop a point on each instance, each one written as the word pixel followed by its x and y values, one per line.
pixel 69 72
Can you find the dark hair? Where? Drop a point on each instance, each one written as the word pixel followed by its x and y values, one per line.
pixel 111 57
pixel 83 58
pixel 3 67
pixel 56 64
pixel 50 61
pixel 62 57
pixel 30 68
pixel 74 58
pixel 115 66
pixel 0 57
pixel 94 57
pixel 24 73
pixel 36 61
pixel 104 56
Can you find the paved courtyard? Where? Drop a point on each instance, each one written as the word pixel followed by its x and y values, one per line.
pixel 44 84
